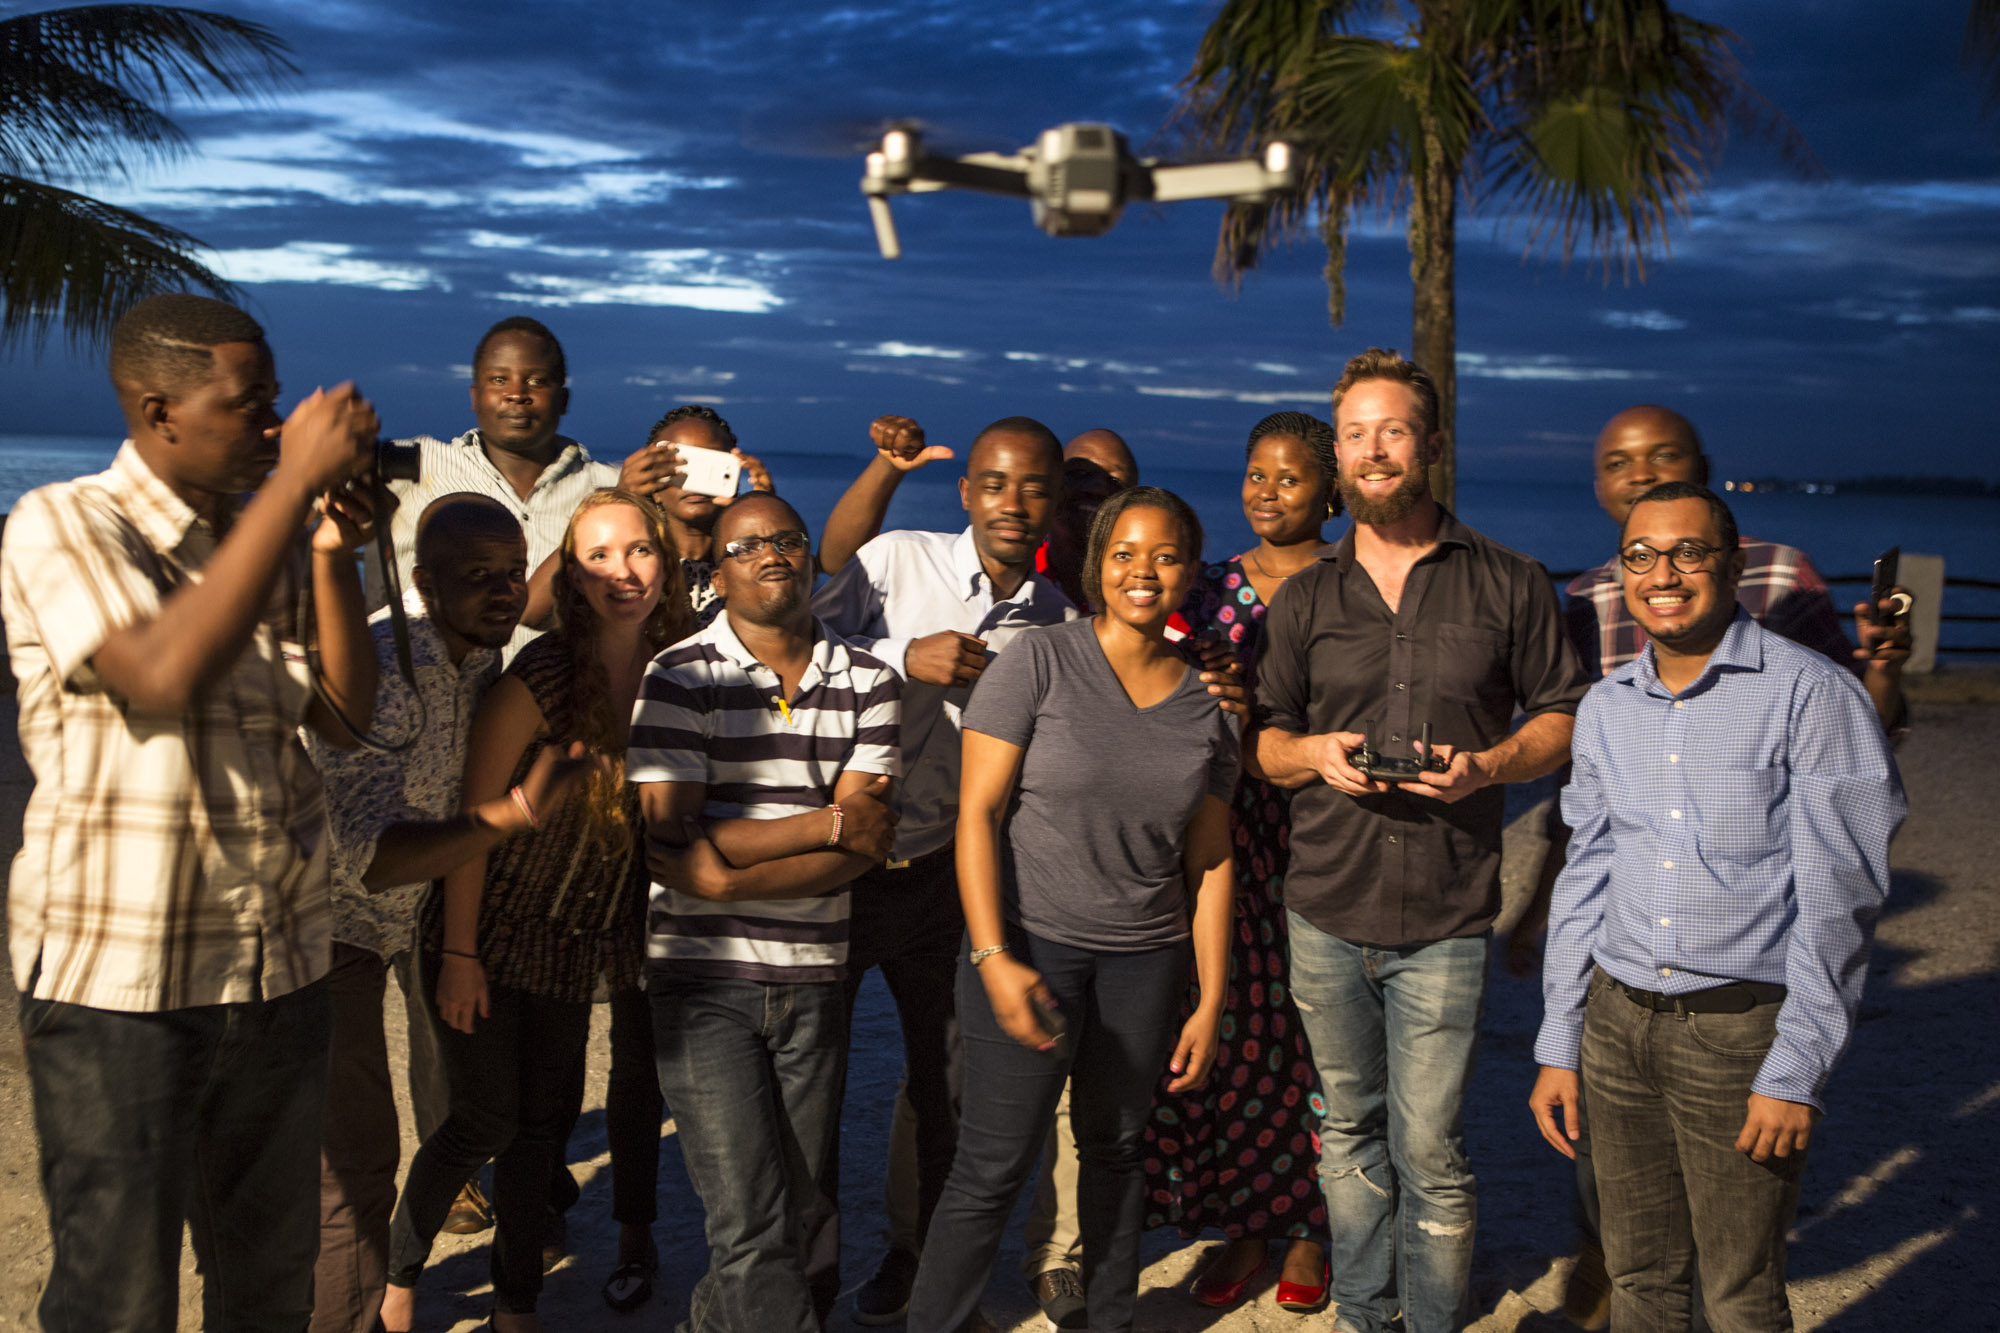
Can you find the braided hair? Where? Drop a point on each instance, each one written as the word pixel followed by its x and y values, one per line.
pixel 1316 435
pixel 697 412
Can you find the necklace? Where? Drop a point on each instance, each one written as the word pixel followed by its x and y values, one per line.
pixel 1279 578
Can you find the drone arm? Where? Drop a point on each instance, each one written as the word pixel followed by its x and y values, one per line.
pixel 885 226
pixel 969 174
pixel 1211 180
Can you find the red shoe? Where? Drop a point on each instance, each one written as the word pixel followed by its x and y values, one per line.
pixel 1301 1299
pixel 1218 1293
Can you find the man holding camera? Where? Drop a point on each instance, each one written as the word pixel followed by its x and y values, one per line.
pixel 1411 620
pixel 168 911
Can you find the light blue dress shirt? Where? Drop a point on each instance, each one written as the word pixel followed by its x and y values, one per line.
pixel 1736 831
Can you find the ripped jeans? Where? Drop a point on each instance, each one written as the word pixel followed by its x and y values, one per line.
pixel 1392 1034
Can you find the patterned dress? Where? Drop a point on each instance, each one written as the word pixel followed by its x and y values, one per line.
pixel 1242 1153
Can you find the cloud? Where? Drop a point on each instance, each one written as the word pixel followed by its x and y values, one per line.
pixel 893 348
pixel 1491 366
pixel 323 261
pixel 1230 395
pixel 1653 321
pixel 679 377
pixel 1908 312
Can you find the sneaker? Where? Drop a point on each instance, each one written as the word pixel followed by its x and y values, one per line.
pixel 884 1297
pixel 1059 1292
pixel 1587 1303
pixel 470 1212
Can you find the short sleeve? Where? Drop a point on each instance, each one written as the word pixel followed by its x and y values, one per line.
pixel 1009 693
pixel 878 732
pixel 670 727
pixel 1547 676
pixel 75 574
pixel 1225 756
pixel 1283 682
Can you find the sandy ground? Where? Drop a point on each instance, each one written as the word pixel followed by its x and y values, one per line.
pixel 1897 1227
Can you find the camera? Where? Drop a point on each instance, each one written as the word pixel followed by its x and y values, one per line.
pixel 398 462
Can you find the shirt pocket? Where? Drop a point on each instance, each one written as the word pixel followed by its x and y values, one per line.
pixel 1472 664
pixel 1739 814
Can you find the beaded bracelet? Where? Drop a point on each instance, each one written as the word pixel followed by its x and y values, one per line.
pixel 521 799
pixel 833 838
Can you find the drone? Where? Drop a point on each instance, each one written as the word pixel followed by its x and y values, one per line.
pixel 1078 176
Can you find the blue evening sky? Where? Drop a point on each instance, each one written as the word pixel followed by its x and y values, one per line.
pixel 672 188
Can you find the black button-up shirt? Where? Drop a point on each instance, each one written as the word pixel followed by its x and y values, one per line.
pixel 1477 631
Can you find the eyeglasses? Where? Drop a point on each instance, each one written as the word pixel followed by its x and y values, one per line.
pixel 749 548
pixel 1688 557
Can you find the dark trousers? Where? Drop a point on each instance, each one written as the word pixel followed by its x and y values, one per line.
pixel 1667 1094
pixel 908 923
pixel 515 1081
pixel 1123 1011
pixel 753 1072
pixel 208 1116
pixel 633 1110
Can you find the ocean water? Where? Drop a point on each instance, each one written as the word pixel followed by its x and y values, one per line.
pixel 1559 524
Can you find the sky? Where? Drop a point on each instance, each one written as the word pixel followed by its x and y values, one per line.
pixel 673 189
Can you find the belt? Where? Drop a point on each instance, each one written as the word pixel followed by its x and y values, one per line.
pixel 1738 997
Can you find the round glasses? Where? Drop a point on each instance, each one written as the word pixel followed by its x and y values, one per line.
pixel 1688 557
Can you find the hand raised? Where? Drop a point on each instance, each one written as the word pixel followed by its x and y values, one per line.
pixel 650 469
pixel 900 443
pixel 329 439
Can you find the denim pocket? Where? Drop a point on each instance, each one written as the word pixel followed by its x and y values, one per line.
pixel 1736 1036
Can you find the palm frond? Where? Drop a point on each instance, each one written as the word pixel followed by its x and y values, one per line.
pixel 70 79
pixel 71 260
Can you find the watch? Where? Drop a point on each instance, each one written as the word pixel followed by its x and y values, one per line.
pixel 979 956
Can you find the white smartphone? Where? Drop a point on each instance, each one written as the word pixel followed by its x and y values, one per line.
pixel 710 472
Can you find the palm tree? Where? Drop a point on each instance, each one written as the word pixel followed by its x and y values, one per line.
pixel 1593 120
pixel 76 94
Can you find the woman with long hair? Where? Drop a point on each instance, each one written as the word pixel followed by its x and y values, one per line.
pixel 1093 863
pixel 520 938
pixel 1239 1154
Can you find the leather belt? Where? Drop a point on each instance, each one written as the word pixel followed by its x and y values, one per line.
pixel 1738 997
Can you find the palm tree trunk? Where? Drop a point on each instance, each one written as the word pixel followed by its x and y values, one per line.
pixel 1434 310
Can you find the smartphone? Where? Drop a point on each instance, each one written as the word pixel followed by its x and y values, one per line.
pixel 710 472
pixel 1055 1025
pixel 1885 581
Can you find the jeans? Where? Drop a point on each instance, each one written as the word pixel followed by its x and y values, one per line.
pixel 753 1071
pixel 1667 1093
pixel 209 1116
pixel 1392 1034
pixel 908 923
pixel 1123 1012
pixel 515 1081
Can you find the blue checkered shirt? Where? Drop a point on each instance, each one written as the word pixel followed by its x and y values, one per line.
pixel 1736 831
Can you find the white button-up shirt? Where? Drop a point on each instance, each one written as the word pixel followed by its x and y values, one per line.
pixel 904 586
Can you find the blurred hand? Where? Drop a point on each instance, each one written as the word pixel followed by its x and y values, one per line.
pixel 461 992
pixel 329 439
pixel 347 520
pixel 1885 635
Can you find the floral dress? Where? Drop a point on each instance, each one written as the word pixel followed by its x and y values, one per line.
pixel 1242 1153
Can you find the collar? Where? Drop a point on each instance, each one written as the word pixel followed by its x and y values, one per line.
pixel 1450 532
pixel 1608 572
pixel 570 457
pixel 829 652
pixel 1741 649
pixel 968 576
pixel 162 517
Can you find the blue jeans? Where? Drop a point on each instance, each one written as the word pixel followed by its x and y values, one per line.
pixel 209 1116
pixel 1123 1011
pixel 752 1072
pixel 1392 1034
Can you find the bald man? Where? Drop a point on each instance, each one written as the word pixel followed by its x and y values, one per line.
pixel 395 825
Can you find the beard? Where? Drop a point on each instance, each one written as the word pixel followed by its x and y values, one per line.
pixel 1392 508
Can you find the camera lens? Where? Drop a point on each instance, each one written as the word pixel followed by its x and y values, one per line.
pixel 398 462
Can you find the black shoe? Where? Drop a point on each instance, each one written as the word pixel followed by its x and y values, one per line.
pixel 630 1285
pixel 884 1297
pixel 1059 1292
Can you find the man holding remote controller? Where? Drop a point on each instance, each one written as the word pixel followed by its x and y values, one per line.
pixel 1411 618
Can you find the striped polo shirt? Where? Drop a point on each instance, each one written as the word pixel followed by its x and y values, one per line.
pixel 709 712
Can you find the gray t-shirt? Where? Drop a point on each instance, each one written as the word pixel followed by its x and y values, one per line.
pixel 1091 852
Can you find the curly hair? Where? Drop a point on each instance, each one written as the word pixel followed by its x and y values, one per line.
pixel 1383 363
pixel 1135 497
pixel 696 412
pixel 598 726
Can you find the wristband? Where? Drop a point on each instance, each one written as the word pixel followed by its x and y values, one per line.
pixel 460 953
pixel 521 799
pixel 833 838
pixel 979 956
